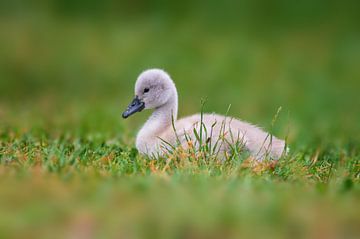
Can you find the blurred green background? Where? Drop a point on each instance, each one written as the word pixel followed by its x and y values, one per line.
pixel 67 71
pixel 61 57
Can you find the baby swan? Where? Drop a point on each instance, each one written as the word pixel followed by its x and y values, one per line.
pixel 154 89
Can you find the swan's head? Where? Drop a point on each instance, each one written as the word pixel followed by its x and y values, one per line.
pixel 153 89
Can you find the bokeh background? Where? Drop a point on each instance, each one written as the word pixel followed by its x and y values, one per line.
pixel 67 71
pixel 63 60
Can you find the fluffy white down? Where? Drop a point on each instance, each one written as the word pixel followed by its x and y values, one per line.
pixel 162 97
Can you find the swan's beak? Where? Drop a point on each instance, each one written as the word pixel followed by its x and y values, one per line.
pixel 135 106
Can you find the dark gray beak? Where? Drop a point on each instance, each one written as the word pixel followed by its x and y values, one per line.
pixel 135 106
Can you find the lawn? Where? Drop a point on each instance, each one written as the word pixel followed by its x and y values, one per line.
pixel 68 164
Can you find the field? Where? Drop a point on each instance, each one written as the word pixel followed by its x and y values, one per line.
pixel 68 165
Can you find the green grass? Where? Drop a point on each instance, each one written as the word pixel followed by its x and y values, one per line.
pixel 68 166
pixel 59 183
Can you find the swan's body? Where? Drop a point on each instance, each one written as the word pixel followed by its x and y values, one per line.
pixel 154 89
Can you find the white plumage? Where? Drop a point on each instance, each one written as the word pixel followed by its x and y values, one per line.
pixel 155 90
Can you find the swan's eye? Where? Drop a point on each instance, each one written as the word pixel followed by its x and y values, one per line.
pixel 146 90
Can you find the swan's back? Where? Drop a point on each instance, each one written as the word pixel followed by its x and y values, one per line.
pixel 229 130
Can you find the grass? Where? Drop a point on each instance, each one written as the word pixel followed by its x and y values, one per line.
pixel 68 184
pixel 68 166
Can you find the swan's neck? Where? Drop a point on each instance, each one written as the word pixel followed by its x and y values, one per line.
pixel 158 122
pixel 162 116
